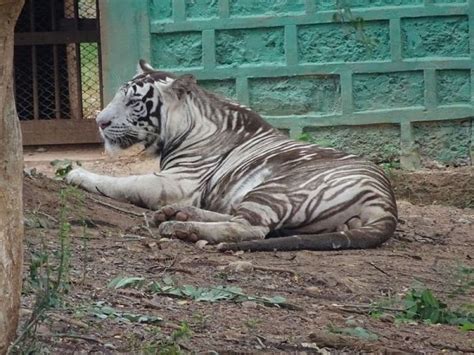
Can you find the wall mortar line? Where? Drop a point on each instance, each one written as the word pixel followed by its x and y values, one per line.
pixel 395 40
pixel 346 92
pixel 224 9
pixel 431 100
pixel 242 90
pixel 291 45
pixel 310 7
pixel 179 10
pixel 209 49
pixel 409 158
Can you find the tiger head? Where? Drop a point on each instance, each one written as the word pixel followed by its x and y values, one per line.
pixel 134 114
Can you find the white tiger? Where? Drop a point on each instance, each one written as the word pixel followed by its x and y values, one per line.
pixel 230 178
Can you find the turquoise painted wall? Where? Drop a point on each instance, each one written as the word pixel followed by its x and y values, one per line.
pixel 389 79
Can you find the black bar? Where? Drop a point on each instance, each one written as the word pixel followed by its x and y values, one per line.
pixel 57 97
pixel 99 56
pixel 39 38
pixel 34 68
pixel 78 61
pixel 83 24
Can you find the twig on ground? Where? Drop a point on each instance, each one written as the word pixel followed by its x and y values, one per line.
pixel 337 341
pixel 103 203
pixel 69 320
pixel 378 268
pixel 129 238
pixel 147 226
pixel 275 269
pixel 451 347
pixel 48 216
pixel 349 310
pixel 367 306
pixel 72 336
pixel 260 342
pixel 169 267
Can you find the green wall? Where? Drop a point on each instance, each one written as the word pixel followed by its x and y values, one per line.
pixel 389 79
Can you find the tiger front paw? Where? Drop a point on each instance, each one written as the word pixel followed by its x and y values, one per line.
pixel 77 176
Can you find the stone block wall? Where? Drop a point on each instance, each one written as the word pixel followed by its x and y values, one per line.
pixel 389 79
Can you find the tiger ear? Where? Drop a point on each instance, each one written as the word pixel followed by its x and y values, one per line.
pixel 144 67
pixel 183 84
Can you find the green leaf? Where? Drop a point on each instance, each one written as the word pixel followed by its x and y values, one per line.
pixel 103 312
pixel 123 282
pixel 357 332
pixel 466 327
pixel 276 299
pixel 212 294
pixel 168 281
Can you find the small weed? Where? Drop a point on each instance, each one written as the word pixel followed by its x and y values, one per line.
pixel 344 15
pixel 160 344
pixel 389 167
pixel 49 274
pixel 62 167
pixel 464 277
pixel 85 248
pixel 200 320
pixel 422 305
pixel 252 323
pixel 305 137
pixel 171 345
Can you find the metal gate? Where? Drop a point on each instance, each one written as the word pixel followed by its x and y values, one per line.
pixel 58 81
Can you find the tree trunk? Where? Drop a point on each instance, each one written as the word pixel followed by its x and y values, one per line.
pixel 11 176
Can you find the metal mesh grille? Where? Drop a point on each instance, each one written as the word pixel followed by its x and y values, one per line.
pixel 23 82
pixel 87 9
pixel 45 80
pixel 58 80
pixel 90 79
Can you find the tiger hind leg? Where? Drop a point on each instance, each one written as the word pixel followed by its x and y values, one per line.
pixel 214 232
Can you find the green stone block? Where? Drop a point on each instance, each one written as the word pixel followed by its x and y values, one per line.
pixel 453 86
pixel 252 46
pixel 266 7
pixel 344 43
pixel 299 95
pixel 176 50
pixel 161 9
pixel 224 88
pixel 446 142
pixel 200 9
pixel 449 1
pixel 392 90
pixel 325 5
pixel 379 143
pixel 444 36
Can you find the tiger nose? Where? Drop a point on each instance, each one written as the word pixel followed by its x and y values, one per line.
pixel 104 124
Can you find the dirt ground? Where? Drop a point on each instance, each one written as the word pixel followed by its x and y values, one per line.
pixel 325 292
